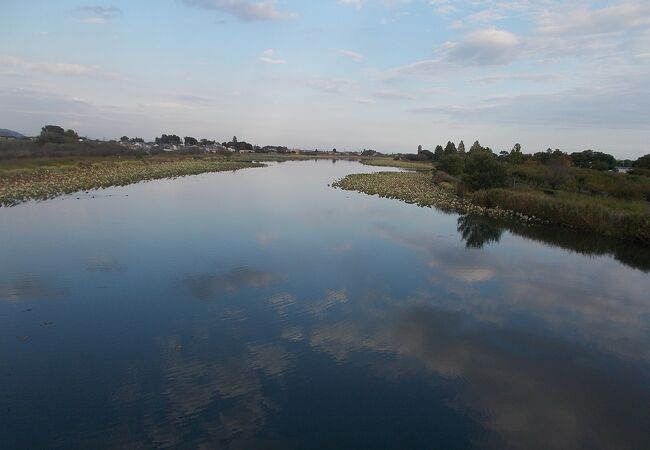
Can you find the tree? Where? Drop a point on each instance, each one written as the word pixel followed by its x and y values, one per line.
pixel 124 139
pixel 52 134
pixel 189 140
pixel 333 150
pixel 71 134
pixel 419 148
pixel 437 154
pixel 452 163
pixel 516 156
pixel 483 171
pixel 234 140
pixel 475 147
pixel 589 159
pixel 461 147
pixel 643 162
pixel 170 139
pixel 55 129
pixel 450 148
pixel 428 154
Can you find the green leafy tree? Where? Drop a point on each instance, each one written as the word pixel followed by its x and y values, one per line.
pixel 643 162
pixel 189 140
pixel 516 156
pixel 461 147
pixel 52 134
pixel 484 171
pixel 589 159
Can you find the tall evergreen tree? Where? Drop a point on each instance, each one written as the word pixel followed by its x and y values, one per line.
pixel 450 149
pixel 438 153
pixel 476 147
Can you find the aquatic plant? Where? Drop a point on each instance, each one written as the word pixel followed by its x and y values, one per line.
pixel 418 188
pixel 48 182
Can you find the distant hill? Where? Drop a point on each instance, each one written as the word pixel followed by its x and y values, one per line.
pixel 10 133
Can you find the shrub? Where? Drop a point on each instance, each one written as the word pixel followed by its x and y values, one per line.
pixel 452 163
pixel 643 162
pixel 484 171
pixel 440 176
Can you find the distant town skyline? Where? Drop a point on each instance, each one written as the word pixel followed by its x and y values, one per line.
pixel 352 74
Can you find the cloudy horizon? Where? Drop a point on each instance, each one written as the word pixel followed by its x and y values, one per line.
pixel 351 74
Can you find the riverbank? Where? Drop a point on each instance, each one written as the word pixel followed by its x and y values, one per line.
pixel 418 188
pixel 606 216
pixel 383 161
pixel 44 181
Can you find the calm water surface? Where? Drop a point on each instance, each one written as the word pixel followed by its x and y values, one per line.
pixel 263 309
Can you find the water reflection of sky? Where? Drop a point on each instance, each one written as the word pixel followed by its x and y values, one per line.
pixel 263 309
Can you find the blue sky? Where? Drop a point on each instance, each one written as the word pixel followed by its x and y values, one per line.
pixel 350 74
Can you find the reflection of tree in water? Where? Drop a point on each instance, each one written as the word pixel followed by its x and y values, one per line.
pixel 476 232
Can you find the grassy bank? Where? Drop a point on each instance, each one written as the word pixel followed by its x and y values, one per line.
pixel 606 216
pixel 594 182
pixel 401 164
pixel 418 188
pixel 19 184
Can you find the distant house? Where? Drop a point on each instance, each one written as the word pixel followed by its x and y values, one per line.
pixel 246 151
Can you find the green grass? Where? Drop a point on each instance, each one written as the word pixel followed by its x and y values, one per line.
pixel 418 188
pixel 604 215
pixel 608 217
pixel 619 185
pixel 48 181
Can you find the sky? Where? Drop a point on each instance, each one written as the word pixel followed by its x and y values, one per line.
pixel 351 74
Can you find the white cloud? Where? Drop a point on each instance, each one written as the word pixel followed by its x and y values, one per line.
pixel 244 10
pixel 612 107
pixel 354 3
pixel 330 85
pixel 613 19
pixel 393 95
pixel 486 47
pixel 99 14
pixel 355 56
pixel 270 56
pixel 487 15
pixel 426 68
pixel 64 69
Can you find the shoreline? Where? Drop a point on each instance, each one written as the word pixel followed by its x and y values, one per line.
pixel 523 207
pixel 43 183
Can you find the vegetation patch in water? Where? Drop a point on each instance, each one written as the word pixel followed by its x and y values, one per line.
pixel 48 182
pixel 402 164
pixel 418 188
